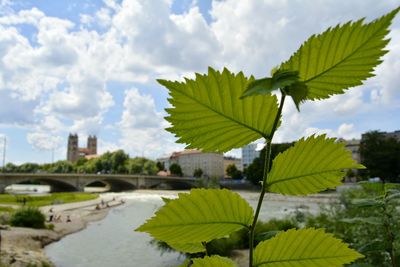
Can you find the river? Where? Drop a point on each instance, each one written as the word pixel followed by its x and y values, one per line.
pixel 112 241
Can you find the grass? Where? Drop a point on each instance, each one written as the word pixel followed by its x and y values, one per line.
pixel 45 200
pixel 6 209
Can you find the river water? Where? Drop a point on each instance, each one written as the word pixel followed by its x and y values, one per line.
pixel 112 241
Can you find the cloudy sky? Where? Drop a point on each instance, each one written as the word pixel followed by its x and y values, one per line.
pixel 89 67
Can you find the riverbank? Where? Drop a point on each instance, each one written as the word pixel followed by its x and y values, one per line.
pixel 22 247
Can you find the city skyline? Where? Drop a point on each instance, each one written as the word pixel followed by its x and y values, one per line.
pixel 90 67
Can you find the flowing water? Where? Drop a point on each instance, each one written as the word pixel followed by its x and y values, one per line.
pixel 112 241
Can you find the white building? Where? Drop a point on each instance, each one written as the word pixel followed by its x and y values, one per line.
pixel 249 153
pixel 354 146
pixel 212 164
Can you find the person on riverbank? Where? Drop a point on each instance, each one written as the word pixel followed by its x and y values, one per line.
pixel 51 216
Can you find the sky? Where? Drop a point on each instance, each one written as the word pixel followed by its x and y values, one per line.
pixel 89 67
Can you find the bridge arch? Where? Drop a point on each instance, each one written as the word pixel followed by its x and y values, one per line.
pixel 176 185
pixel 55 184
pixel 114 184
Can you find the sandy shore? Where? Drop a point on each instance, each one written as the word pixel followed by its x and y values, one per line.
pixel 22 247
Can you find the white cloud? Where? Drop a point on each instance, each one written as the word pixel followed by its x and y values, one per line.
pixel 44 140
pixel 142 127
pixel 345 131
pixel 58 78
pixel 31 16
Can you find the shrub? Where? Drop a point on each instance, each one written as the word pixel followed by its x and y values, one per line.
pixel 30 217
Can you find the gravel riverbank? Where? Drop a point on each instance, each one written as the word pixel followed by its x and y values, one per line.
pixel 22 247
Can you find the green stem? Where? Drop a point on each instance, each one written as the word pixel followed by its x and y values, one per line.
pixel 268 145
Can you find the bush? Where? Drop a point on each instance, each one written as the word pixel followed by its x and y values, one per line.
pixel 28 217
pixel 358 221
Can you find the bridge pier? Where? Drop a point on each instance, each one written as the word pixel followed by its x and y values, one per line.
pixel 2 187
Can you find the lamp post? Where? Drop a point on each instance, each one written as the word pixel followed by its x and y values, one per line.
pixel 4 152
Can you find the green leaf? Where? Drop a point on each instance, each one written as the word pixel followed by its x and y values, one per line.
pixel 188 247
pixel 207 113
pixel 341 57
pixel 166 200
pixel 374 245
pixel 366 220
pixel 200 216
pixel 310 166
pixel 213 261
pixel 305 247
pixel 279 79
pixel 363 203
pixel 298 91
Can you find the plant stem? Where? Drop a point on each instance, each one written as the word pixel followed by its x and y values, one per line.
pixel 268 146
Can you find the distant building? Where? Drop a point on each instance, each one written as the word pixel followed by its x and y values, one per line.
pixel 74 152
pixel 231 160
pixel 354 147
pixel 249 153
pixel 395 135
pixel 212 164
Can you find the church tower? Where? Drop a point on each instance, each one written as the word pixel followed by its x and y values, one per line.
pixel 92 145
pixel 72 150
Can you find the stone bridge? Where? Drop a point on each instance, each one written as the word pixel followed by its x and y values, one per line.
pixel 76 182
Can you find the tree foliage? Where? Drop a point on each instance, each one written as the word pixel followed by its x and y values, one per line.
pixel 175 169
pixel 198 173
pixel 381 156
pixel 233 172
pixel 110 162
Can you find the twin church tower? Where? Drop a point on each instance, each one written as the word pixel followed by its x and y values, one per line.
pixel 74 152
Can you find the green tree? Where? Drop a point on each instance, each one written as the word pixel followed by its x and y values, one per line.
pixel 381 155
pixel 233 172
pixel 175 169
pixel 150 167
pixel 198 173
pixel 62 166
pixel 160 166
pixel 118 160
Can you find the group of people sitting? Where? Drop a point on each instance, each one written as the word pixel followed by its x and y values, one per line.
pixel 57 217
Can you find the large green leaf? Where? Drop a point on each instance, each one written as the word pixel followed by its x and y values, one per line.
pixel 341 57
pixel 200 216
pixel 310 166
pixel 213 261
pixel 208 114
pixel 305 247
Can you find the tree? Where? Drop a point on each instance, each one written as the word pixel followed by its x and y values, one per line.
pixel 233 172
pixel 175 169
pixel 381 156
pixel 198 173
pixel 160 166
pixel 150 167
pixel 118 160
